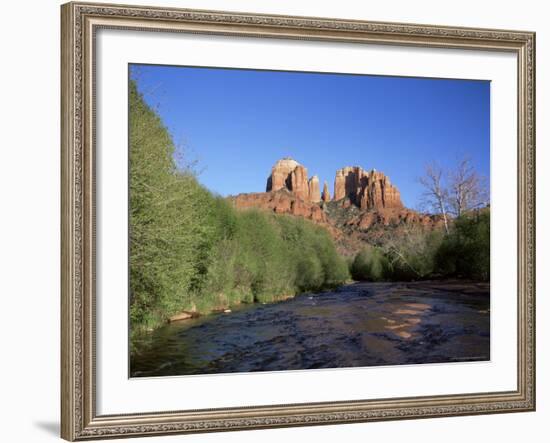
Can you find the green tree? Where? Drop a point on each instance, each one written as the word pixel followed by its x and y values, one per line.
pixel 168 233
pixel 466 251
pixel 191 250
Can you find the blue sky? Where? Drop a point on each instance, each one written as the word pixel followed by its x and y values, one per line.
pixel 235 124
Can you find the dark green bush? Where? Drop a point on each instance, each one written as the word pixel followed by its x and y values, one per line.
pixel 465 252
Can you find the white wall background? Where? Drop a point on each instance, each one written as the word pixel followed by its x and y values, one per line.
pixel 29 218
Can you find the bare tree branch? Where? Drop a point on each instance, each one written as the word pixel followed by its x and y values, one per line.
pixel 467 189
pixel 435 194
pixel 455 191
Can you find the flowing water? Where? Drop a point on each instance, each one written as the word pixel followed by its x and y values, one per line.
pixel 362 324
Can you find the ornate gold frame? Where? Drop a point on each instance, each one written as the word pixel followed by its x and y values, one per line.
pixel 80 21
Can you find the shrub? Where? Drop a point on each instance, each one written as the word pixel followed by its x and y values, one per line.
pixel 465 252
pixel 370 264
pixel 412 257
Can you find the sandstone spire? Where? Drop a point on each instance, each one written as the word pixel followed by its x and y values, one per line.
pixel 325 196
pixel 298 181
pixel 339 185
pixel 314 192
pixel 365 189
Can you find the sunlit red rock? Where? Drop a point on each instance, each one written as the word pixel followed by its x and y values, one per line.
pixel 290 175
pixel 280 174
pixel 314 191
pixel 281 202
pixel 299 183
pixel 367 190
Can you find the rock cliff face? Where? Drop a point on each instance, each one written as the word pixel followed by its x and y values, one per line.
pixel 281 202
pixel 366 190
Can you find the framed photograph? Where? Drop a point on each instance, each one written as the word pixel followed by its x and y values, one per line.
pixel 283 221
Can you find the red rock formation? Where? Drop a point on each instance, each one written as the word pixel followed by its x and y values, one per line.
pixel 367 190
pixel 291 175
pixel 339 185
pixel 314 191
pixel 281 202
pixel 280 174
pixel 325 196
pixel 348 183
pixel 299 185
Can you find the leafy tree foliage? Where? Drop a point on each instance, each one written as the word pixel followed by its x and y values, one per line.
pixel 466 251
pixel 190 250
pixel 168 229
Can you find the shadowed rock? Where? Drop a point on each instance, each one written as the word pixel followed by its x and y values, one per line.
pixel 326 193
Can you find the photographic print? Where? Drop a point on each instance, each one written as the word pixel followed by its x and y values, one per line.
pixel 300 220
pixel 314 200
